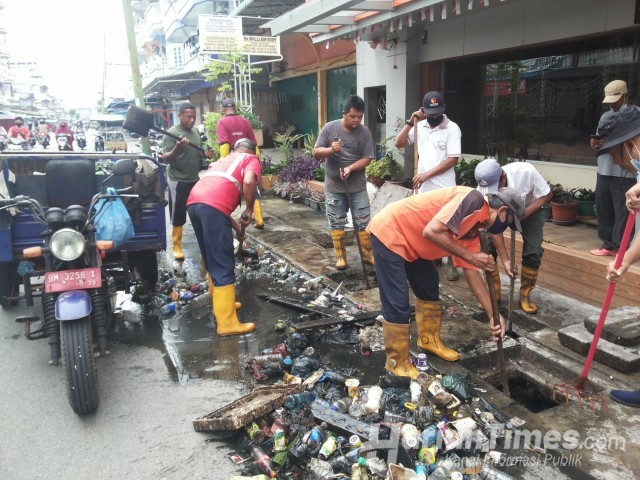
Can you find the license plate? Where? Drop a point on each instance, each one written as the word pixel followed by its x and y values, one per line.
pixel 65 280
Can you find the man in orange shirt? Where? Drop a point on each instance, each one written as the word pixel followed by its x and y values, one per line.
pixel 408 235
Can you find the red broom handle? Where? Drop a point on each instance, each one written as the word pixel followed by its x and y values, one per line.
pixel 624 243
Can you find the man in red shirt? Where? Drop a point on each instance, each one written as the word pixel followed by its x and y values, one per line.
pixel 231 128
pixel 210 205
pixel 18 129
pixel 408 235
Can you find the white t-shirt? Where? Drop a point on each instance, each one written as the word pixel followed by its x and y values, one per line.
pixel 435 145
pixel 527 180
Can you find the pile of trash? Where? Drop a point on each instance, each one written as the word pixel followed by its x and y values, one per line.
pixel 435 426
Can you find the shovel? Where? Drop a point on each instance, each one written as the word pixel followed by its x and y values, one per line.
pixel 512 257
pixel 140 121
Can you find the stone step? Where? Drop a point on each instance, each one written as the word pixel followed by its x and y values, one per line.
pixel 622 326
pixel 578 338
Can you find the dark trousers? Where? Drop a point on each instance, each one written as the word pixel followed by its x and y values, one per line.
pixel 611 208
pixel 395 275
pixel 215 239
pixel 532 236
pixel 178 196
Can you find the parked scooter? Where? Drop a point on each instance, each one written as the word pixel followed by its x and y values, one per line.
pixel 81 139
pixel 64 142
pixel 78 298
pixel 99 142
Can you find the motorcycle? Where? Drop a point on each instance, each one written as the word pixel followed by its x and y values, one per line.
pixel 81 139
pixel 99 143
pixel 79 295
pixel 43 139
pixel 3 143
pixel 64 143
pixel 17 143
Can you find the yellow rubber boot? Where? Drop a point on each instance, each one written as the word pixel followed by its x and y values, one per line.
pixel 225 150
pixel 238 304
pixel 429 321
pixel 396 347
pixel 365 244
pixel 339 247
pixel 224 310
pixel 257 212
pixel 176 242
pixel 527 282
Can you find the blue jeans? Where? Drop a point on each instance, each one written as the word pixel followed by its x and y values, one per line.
pixel 338 205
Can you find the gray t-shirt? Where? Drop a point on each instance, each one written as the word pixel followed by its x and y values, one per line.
pixel 356 144
pixel 606 165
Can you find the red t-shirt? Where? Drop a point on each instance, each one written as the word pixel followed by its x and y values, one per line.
pixel 232 128
pixel 15 131
pixel 400 225
pixel 221 186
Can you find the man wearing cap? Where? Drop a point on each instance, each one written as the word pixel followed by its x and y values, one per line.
pixel 348 147
pixel 182 173
pixel 231 128
pixel 439 149
pixel 612 180
pixel 524 178
pixel 407 236
pixel 210 204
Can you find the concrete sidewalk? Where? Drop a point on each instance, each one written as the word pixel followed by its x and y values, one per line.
pixel 597 444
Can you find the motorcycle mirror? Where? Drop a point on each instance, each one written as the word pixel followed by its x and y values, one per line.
pixel 124 166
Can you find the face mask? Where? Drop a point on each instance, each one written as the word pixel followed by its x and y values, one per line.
pixel 623 108
pixel 18 125
pixel 498 225
pixel 634 162
pixel 435 121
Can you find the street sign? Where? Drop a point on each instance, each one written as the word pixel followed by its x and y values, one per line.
pixel 219 34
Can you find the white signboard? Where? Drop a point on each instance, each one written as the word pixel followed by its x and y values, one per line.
pixel 252 45
pixel 219 34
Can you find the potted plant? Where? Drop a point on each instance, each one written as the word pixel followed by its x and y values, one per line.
pixel 316 198
pixel 465 172
pixel 586 202
pixel 564 207
pixel 270 172
pixel 254 121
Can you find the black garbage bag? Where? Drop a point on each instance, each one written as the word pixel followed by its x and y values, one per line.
pixel 458 385
pixel 393 400
pixel 330 392
pixel 341 335
pixel 304 366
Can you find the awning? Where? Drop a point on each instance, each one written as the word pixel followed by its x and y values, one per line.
pixel 176 86
pixel 255 12
pixel 368 19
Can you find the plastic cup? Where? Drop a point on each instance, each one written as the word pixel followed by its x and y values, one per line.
pixel 352 384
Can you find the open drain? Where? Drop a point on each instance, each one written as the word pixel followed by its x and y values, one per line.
pixel 527 393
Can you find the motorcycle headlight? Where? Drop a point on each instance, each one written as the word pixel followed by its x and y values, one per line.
pixel 67 244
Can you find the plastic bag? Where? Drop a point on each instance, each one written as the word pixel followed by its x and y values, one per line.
pixel 113 221
pixel 457 385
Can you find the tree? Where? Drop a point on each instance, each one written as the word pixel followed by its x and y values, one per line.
pixel 234 71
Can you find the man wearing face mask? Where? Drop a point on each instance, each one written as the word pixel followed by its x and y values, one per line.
pixel 18 129
pixel 408 235
pixel 524 178
pixel 439 149
pixel 612 180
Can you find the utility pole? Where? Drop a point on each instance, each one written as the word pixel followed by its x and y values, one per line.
pixel 135 67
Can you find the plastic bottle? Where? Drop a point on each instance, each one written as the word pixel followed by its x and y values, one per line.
pixel 315 437
pixel 490 473
pixel 372 405
pixel 313 283
pixel 279 441
pixel 299 454
pixel 342 405
pixel 443 470
pixel 334 377
pixel 298 400
pixel 264 359
pixel 341 464
pixel 421 471
pixel 356 409
pixel 170 308
pixel 377 466
pixel 416 390
pixel 279 423
pixel 429 436
pixel 255 433
pixel 186 295
pixel 328 447
pixel 358 472
pixel 263 460
pixel 409 436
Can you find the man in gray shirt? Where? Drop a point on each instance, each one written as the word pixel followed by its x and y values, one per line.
pixel 348 147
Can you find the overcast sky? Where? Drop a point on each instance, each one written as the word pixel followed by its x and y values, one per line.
pixel 66 38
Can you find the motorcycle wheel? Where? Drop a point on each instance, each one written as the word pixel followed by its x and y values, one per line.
pixel 79 365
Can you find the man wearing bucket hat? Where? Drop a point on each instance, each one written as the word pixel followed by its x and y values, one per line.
pixel 407 236
pixel 439 149
pixel 231 128
pixel 210 204
pixel 524 178
pixel 612 180
pixel 182 173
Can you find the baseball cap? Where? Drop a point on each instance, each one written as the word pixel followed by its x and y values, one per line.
pixel 619 128
pixel 514 202
pixel 614 90
pixel 433 103
pixel 245 143
pixel 488 173
pixel 228 103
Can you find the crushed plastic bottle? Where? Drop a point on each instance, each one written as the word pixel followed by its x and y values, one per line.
pixel 444 469
pixel 377 466
pixel 342 405
pixel 313 283
pixel 170 308
pixel 490 473
pixel 372 405
pixel 269 358
pixel 314 438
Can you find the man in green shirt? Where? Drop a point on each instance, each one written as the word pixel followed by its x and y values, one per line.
pixel 182 173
